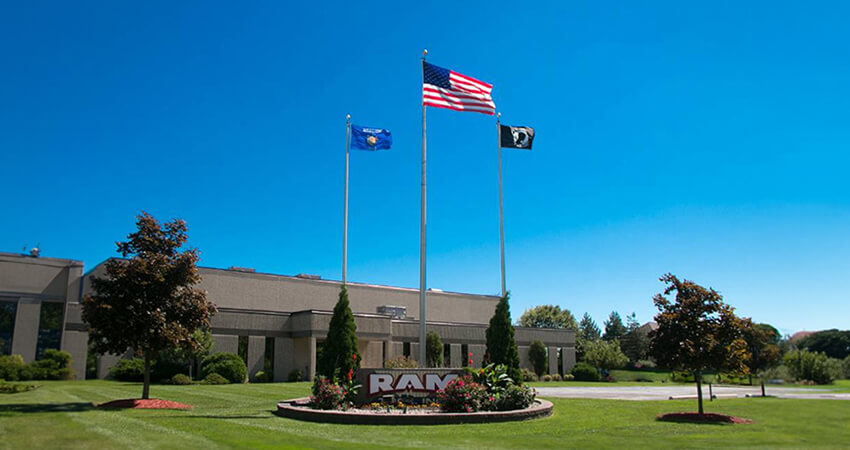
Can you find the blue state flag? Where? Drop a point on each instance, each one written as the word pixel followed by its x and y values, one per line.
pixel 366 138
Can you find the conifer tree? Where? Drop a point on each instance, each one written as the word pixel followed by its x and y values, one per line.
pixel 339 354
pixel 501 344
pixel 614 328
pixel 588 329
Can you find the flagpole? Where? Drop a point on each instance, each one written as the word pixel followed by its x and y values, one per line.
pixel 501 202
pixel 345 208
pixel 422 214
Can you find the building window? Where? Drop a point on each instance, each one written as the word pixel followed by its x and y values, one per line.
pixel 268 359
pixel 465 356
pixel 406 349
pixel 243 349
pixel 447 355
pixel 49 327
pixel 8 312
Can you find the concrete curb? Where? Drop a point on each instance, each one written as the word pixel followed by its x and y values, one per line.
pixel 297 409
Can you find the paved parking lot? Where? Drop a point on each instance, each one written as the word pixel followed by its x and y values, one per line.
pixel 683 391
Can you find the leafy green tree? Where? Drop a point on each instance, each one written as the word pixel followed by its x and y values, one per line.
pixel 501 343
pixel 434 349
pixel 762 340
pixel 189 356
pixel 834 343
pixel 548 316
pixel 813 366
pixel 339 353
pixel 614 328
pixel 605 355
pixel 148 301
pixel 696 332
pixel 537 356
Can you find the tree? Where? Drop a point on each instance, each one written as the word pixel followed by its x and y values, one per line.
pixel 696 332
pixel 434 349
pixel 548 316
pixel 635 343
pixel 189 356
pixel 537 356
pixel 501 344
pixel 834 343
pixel 588 332
pixel 614 328
pixel 605 355
pixel 148 301
pixel 588 329
pixel 339 353
pixel 762 340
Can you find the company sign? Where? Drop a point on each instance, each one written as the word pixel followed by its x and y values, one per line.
pixel 398 383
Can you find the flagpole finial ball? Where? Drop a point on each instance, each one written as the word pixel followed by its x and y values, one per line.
pixel 348 117
pixel 425 52
pixel 498 115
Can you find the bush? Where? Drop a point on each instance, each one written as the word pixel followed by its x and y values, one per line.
pixel 11 367
pixel 776 374
pixel 401 362
pixel 546 377
pixel 528 375
pixel 14 388
pixel 54 365
pixel 537 356
pixel 295 376
pixel 132 369
pixel 515 397
pixel 263 377
pixel 433 349
pixel 682 377
pixel 556 377
pixel 180 380
pixel 215 378
pixel 585 372
pixel 814 366
pixel 845 367
pixel 644 364
pixel 326 394
pixel 228 365
pixel 569 377
pixel 463 395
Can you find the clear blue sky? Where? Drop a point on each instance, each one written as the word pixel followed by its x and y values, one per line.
pixel 710 141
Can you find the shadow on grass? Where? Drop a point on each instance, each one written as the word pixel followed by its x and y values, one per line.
pixel 211 416
pixel 27 408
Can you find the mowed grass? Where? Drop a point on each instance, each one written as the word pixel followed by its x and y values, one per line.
pixel 60 415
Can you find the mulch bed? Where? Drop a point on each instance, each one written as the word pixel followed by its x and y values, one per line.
pixel 692 417
pixel 137 403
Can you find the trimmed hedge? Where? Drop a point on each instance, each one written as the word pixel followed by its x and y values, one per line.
pixel 228 365
pixel 54 365
pixel 585 372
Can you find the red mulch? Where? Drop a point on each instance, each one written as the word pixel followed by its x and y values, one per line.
pixel 692 417
pixel 137 403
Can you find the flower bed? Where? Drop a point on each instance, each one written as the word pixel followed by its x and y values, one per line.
pixel 137 403
pixel 300 409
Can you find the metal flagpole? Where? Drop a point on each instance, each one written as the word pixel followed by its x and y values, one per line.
pixel 345 209
pixel 422 212
pixel 501 202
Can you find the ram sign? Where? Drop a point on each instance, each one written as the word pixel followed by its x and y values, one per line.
pixel 379 384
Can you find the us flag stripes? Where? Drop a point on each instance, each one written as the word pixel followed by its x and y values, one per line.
pixel 443 88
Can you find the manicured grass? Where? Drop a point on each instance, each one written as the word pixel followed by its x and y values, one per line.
pixel 60 415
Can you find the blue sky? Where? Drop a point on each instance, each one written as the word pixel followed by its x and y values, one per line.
pixel 710 141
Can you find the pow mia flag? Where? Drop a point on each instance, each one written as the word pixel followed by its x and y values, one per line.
pixel 517 137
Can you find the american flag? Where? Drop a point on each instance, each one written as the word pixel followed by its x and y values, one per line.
pixel 445 88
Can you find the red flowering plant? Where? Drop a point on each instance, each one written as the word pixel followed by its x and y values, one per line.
pixel 463 395
pixel 337 392
pixel 327 394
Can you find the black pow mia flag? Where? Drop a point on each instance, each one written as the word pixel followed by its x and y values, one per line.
pixel 517 137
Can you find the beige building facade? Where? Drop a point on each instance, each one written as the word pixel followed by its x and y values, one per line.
pixel 276 323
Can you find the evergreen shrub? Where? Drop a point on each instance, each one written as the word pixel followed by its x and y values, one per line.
pixel 228 365
pixel 585 372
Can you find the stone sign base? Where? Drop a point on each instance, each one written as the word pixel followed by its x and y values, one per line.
pixel 299 409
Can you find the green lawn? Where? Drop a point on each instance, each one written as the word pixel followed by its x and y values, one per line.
pixel 60 415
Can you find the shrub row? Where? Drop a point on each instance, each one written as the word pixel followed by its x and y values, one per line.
pixel 227 366
pixel 54 365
